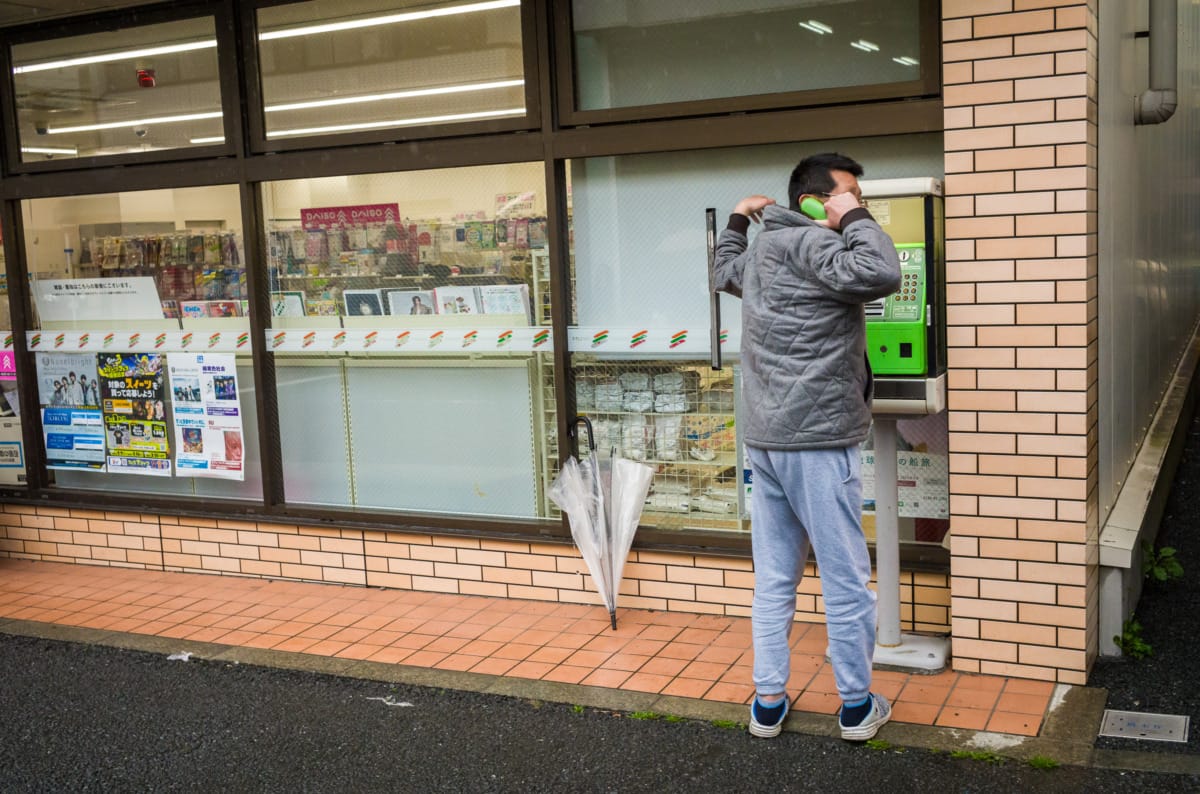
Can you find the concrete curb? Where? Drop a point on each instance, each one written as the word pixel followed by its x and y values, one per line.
pixel 1068 734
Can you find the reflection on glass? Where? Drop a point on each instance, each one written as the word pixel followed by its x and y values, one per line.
pixel 385 250
pixel 12 458
pixel 330 67
pixel 134 90
pixel 631 54
pixel 139 303
pixel 175 253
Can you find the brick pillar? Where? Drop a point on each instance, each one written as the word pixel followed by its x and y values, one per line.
pixel 1020 118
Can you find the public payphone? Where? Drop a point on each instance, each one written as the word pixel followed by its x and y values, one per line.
pixel 906 331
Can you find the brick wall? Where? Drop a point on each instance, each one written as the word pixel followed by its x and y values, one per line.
pixel 1021 122
pixel 409 561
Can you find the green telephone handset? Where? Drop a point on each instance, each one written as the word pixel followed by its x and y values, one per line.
pixel 813 208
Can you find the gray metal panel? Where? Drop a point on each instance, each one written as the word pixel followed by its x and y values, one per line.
pixel 1148 202
pixel 312 431
pixel 446 439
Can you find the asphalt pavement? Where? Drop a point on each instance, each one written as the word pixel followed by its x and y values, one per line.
pixel 90 717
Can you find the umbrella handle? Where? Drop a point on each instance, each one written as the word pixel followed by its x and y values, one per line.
pixel 582 420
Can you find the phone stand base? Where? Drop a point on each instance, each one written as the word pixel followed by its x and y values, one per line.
pixel 915 653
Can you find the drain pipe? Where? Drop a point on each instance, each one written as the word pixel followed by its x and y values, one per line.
pixel 1157 104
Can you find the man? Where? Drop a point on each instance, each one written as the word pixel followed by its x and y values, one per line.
pixel 807 385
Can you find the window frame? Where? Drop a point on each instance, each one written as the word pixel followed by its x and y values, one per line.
pixel 256 133
pixel 231 101
pixel 927 84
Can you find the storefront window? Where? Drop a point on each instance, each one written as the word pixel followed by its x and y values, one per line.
pixel 333 67
pixel 142 342
pixel 135 90
pixel 410 326
pixel 635 54
pixel 640 331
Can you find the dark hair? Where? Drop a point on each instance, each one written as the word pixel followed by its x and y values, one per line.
pixel 812 175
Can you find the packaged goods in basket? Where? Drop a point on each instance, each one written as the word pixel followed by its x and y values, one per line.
pixel 635 381
pixel 637 437
pixel 608 434
pixel 678 381
pixel 667 431
pixel 718 398
pixel 585 393
pixel 668 503
pixel 707 504
pixel 674 402
pixel 608 395
pixel 638 401
pixel 708 433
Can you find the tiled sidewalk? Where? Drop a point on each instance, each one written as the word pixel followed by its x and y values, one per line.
pixel 669 653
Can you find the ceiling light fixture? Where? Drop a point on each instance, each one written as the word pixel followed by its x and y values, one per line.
pixel 108 57
pixel 906 61
pixel 71 150
pixel 213 139
pixel 420 92
pixel 116 125
pixel 820 28
pixel 374 125
pixel 189 46
pixel 865 46
pixel 411 16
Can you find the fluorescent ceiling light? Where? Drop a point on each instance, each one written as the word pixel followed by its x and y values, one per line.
pixel 906 61
pixel 213 139
pixel 108 57
pixel 374 125
pixel 865 46
pixel 452 89
pixel 820 28
pixel 333 27
pixel 116 125
pixel 146 52
pixel 71 150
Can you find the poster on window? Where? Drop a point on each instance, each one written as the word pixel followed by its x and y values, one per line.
pixel 208 416
pixel 70 403
pixel 132 398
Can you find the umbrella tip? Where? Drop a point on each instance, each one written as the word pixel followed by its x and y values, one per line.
pixel 613 617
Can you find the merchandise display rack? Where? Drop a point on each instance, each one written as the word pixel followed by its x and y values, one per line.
pixel 677 417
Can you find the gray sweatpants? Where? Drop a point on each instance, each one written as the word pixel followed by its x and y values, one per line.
pixel 803 497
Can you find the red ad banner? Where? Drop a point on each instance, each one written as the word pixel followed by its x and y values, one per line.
pixel 334 217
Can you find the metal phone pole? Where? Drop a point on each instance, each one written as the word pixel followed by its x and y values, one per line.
pixel 894 649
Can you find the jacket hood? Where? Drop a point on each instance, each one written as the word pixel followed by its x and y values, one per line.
pixel 777 217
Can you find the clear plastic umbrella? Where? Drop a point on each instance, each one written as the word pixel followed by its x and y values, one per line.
pixel 603 496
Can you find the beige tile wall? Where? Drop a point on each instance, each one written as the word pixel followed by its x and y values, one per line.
pixel 468 566
pixel 1021 122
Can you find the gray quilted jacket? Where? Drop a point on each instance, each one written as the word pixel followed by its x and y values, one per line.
pixel 806 382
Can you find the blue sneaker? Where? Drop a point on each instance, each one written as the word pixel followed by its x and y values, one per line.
pixel 881 712
pixel 767 721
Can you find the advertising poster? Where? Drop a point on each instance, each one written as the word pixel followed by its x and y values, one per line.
pixel 135 423
pixel 208 417
pixel 70 401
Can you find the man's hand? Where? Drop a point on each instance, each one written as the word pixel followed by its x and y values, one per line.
pixel 752 207
pixel 837 206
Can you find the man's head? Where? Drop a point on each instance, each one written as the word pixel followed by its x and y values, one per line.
pixel 821 176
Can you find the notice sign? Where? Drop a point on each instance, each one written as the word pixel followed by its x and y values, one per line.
pixel 358 214
pixel 135 422
pixel 126 298
pixel 922 484
pixel 208 417
pixel 70 400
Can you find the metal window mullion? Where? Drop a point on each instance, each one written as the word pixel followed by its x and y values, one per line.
pixel 20 312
